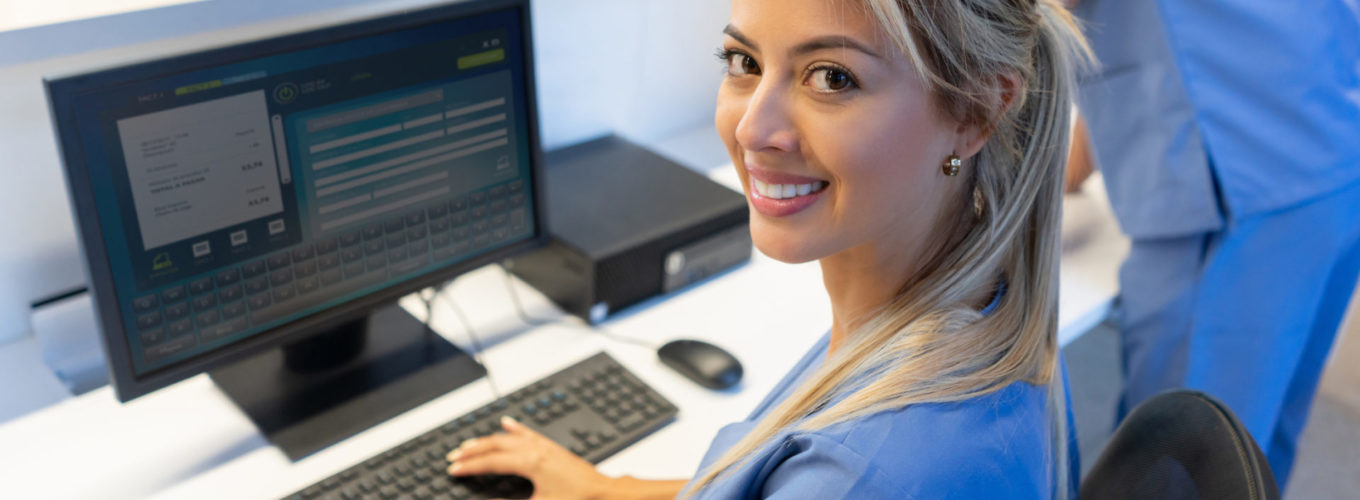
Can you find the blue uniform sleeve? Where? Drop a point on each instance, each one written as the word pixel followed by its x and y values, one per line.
pixel 817 466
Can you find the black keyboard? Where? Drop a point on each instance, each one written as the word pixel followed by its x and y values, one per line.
pixel 595 408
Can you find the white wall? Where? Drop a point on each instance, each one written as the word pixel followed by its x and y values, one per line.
pixel 640 68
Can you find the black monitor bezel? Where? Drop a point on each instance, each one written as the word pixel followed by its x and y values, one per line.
pixel 127 384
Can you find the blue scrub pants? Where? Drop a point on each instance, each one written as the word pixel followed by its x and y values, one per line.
pixel 1247 314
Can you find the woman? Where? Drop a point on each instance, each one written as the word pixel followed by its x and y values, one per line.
pixel 917 153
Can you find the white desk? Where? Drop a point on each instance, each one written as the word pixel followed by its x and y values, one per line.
pixel 189 441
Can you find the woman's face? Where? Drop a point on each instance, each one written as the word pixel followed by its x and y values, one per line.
pixel 832 133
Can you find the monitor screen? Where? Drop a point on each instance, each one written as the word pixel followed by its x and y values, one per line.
pixel 248 189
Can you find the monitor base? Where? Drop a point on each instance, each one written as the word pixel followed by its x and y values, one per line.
pixel 312 394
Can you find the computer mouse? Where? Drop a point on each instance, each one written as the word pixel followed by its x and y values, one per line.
pixel 704 363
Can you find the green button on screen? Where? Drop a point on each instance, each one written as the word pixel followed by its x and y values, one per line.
pixel 480 58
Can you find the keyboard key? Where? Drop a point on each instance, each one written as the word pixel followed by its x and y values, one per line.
pixel 145 303
pixel 460 203
pixel 439 225
pixel 205 302
pixel 478 198
pixel 328 261
pixel 373 232
pixel 307 285
pixel 257 302
pixel 303 252
pixel 500 206
pixel 517 200
pixel 354 269
pixel 499 192
pixel 352 254
pixel 415 218
pixel 461 217
pixel 176 311
pixel 234 310
pixel 283 294
pixel 437 211
pixel 230 293
pixel 479 211
pixel 516 185
pixel 251 269
pixel 257 284
pixel 153 336
pixel 181 327
pixel 201 286
pixel 330 277
pixel 305 269
pixel 377 262
pixel 349 239
pixel 440 240
pixel 393 225
pixel 172 294
pixel 396 240
pixel 228 277
pixel 209 318
pixel 415 233
pixel 327 245
pixel 279 260
pixel 281 277
pixel 396 254
pixel 374 247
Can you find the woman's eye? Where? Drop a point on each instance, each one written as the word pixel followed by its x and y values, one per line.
pixel 739 64
pixel 827 79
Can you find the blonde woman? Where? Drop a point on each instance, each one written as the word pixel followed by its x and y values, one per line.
pixel 915 149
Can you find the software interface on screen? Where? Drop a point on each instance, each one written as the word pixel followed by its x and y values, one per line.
pixel 238 198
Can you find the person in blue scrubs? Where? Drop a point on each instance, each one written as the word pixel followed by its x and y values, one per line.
pixel 1228 135
pixel 914 149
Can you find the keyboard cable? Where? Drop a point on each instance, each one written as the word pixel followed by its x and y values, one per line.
pixel 477 350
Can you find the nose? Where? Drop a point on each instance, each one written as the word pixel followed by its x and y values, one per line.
pixel 767 124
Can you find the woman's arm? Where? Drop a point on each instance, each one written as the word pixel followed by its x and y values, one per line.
pixel 555 472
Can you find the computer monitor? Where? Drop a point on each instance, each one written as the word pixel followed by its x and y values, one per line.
pixel 254 211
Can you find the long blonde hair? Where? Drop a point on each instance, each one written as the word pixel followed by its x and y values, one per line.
pixel 929 344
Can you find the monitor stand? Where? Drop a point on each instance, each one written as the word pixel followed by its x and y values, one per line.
pixel 308 395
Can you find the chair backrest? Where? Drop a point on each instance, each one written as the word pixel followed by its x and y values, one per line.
pixel 1181 444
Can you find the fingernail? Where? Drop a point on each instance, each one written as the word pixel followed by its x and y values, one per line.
pixel 455 468
pixel 466 444
pixel 508 420
pixel 455 455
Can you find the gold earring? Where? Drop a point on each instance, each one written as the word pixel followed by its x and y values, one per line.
pixel 951 165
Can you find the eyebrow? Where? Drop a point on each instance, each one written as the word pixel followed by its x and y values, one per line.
pixel 816 44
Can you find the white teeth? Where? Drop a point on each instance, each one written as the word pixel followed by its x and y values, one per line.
pixel 784 191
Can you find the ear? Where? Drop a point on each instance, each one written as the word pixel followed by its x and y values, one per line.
pixel 1005 91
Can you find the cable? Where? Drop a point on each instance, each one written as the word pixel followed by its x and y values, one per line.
pixel 531 321
pixel 467 326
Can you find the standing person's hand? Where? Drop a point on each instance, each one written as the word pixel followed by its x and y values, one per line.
pixel 1080 160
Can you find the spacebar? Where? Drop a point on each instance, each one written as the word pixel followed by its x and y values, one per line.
pixel 301 302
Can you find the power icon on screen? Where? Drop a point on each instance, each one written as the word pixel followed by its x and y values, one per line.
pixel 285 93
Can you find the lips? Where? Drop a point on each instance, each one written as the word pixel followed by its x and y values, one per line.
pixel 779 194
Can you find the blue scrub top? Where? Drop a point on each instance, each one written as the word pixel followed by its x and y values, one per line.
pixel 995 446
pixel 1207 111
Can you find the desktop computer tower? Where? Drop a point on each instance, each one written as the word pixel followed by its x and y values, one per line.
pixel 627 225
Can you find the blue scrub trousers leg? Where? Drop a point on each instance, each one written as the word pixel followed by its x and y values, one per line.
pixel 1271 296
pixel 1157 289
pixel 1298 399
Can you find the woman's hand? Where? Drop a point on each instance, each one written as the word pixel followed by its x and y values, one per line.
pixel 556 472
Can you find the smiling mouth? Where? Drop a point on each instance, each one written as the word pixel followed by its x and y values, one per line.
pixel 786 191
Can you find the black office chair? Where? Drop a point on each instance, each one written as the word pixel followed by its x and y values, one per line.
pixel 1181 445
